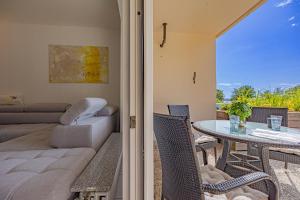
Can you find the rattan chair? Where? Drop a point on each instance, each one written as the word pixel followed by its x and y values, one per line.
pixel 260 114
pixel 203 142
pixel 181 174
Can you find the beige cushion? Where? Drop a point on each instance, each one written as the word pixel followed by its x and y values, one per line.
pixel 83 109
pixel 211 175
pixel 201 138
pixel 42 174
pixel 284 150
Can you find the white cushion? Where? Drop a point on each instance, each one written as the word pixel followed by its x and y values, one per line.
pixel 107 110
pixel 211 175
pixel 83 109
pixel 200 139
pixel 285 150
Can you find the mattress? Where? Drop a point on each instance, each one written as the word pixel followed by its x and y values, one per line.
pixel 41 174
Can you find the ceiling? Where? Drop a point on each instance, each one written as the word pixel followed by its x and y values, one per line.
pixel 207 17
pixel 91 13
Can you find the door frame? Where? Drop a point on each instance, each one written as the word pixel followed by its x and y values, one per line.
pixel 138 170
pixel 124 99
pixel 148 101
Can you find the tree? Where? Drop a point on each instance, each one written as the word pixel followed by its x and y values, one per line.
pixel 245 92
pixel 220 96
pixel 293 90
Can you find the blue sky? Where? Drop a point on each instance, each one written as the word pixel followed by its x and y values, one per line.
pixel 263 50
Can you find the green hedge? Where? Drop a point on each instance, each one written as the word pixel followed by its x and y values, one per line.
pixel 288 99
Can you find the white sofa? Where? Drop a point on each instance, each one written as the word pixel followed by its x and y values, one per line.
pixel 44 163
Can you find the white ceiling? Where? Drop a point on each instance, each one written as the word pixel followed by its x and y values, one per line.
pixel 91 13
pixel 207 17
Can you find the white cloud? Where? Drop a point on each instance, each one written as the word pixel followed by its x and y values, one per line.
pixel 229 84
pixel 294 25
pixel 284 3
pixel 287 84
pixel 292 18
pixel 225 84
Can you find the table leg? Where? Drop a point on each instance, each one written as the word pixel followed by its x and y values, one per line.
pixel 263 153
pixel 221 163
pixel 236 165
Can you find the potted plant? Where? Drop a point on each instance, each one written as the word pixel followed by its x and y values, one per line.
pixel 240 109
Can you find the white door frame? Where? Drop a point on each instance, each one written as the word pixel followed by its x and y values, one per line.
pixel 136 169
pixel 124 105
pixel 148 101
pixel 137 99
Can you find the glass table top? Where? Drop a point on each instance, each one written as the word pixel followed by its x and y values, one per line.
pixel 253 132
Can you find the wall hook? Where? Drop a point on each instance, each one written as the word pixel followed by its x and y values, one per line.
pixel 164 35
pixel 194 78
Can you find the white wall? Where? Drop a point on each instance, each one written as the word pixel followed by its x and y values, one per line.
pixel 24 63
pixel 174 65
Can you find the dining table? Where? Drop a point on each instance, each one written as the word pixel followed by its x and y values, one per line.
pixel 239 163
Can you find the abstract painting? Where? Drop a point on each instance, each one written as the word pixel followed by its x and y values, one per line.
pixel 78 64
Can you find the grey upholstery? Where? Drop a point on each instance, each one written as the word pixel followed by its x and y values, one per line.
pixel 181 173
pixel 36 140
pixel 30 118
pixel 35 107
pixel 8 132
pixel 47 107
pixel 41 174
pixel 32 113
pixel 11 108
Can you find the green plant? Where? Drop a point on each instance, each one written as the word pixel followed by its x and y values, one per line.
pixel 245 91
pixel 241 109
pixel 220 96
pixel 225 107
pixel 289 98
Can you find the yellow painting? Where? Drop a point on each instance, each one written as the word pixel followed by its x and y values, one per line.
pixel 78 64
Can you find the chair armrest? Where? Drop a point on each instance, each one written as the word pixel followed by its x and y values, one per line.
pixel 236 183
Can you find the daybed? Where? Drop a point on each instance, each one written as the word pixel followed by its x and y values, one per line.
pixel 44 162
